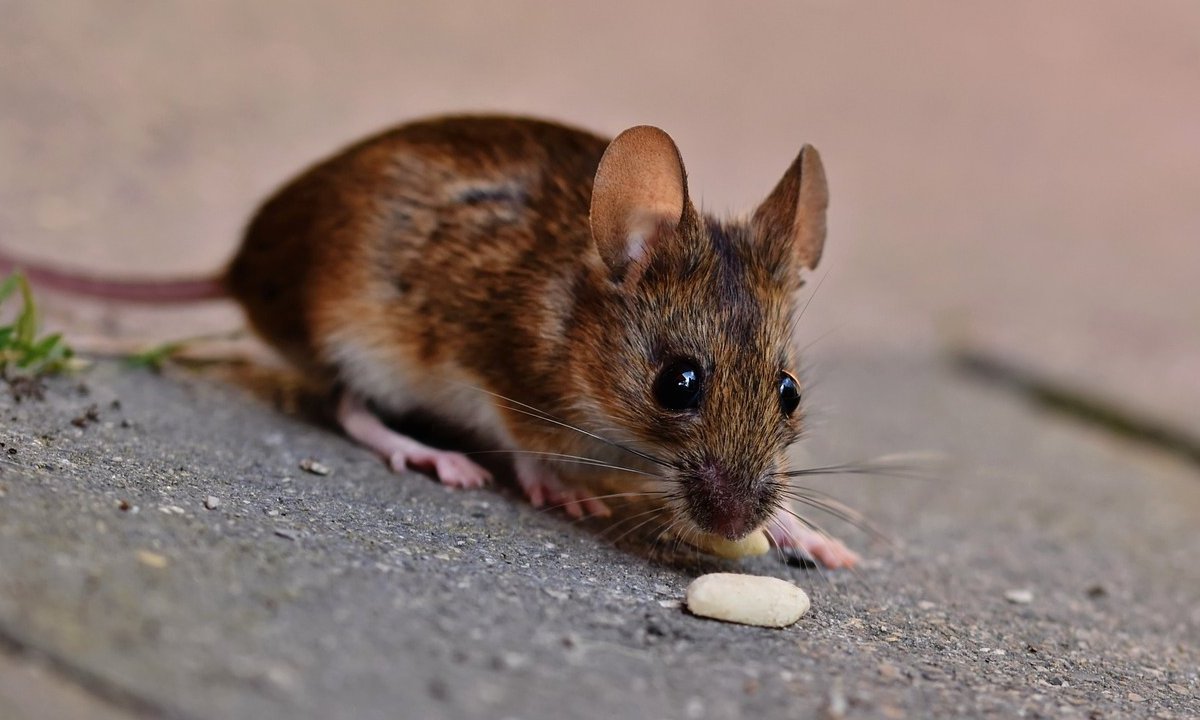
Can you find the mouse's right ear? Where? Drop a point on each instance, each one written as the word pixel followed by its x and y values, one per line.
pixel 640 189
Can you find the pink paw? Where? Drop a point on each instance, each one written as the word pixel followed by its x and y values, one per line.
pixel 786 531
pixel 543 487
pixel 451 468
pixel 401 451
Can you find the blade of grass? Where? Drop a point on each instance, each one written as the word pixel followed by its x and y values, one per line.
pixel 9 284
pixel 19 341
pixel 27 319
pixel 155 357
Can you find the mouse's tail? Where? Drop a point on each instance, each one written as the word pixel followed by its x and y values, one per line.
pixel 181 290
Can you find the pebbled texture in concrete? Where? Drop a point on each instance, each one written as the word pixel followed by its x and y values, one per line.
pixel 364 594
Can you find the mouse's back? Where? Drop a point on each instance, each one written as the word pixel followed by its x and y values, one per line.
pixel 436 218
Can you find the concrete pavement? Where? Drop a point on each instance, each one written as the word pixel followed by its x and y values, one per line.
pixel 364 594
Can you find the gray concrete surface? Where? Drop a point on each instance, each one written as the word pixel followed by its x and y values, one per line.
pixel 363 594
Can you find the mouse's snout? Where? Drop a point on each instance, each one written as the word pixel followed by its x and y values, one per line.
pixel 721 502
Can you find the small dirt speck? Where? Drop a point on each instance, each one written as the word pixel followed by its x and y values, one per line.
pixel 27 388
pixel 1023 596
pixel 152 559
pixel 312 466
pixel 439 690
pixel 506 661
pixel 87 417
pixel 124 506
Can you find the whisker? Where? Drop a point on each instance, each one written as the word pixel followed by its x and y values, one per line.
pixel 665 529
pixel 819 338
pixel 563 457
pixel 534 412
pixel 673 531
pixel 868 468
pixel 821 531
pixel 631 494
pixel 837 509
pixel 817 529
pixel 782 555
pixel 693 538
pixel 808 302
pixel 638 493
pixel 680 532
pixel 613 526
pixel 800 491
pixel 636 527
pixel 546 418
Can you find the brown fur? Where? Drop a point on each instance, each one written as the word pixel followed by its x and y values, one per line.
pixel 462 245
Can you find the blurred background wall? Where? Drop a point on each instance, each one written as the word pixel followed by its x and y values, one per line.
pixel 1022 177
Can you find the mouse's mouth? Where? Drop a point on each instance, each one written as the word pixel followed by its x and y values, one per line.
pixel 730 524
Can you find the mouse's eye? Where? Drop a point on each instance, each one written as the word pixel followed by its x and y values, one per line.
pixel 789 394
pixel 678 386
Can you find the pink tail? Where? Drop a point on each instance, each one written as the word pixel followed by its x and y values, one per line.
pixel 136 291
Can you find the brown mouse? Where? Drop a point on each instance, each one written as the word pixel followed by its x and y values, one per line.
pixel 557 294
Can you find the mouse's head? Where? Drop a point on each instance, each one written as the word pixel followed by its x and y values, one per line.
pixel 692 322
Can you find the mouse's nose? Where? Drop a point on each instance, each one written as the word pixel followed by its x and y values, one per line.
pixel 720 502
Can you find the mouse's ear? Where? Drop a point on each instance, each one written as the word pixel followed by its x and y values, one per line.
pixel 640 188
pixel 791 221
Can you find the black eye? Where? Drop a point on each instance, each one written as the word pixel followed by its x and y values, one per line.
pixel 678 386
pixel 789 394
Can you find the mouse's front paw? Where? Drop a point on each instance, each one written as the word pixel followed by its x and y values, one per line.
pixel 543 487
pixel 786 532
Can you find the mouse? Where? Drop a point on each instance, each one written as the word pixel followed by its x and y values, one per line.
pixel 554 292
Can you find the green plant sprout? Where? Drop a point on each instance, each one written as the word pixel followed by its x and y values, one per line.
pixel 20 347
pixel 156 356
pixel 153 358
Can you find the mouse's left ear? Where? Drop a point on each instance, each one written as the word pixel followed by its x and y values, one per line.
pixel 791 221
